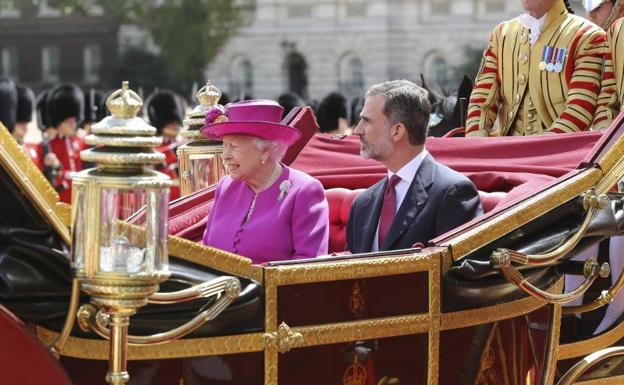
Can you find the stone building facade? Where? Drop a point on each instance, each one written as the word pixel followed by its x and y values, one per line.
pixel 313 47
pixel 40 46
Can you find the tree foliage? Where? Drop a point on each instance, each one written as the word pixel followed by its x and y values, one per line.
pixel 188 32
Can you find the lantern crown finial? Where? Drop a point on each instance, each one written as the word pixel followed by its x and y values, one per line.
pixel 208 95
pixel 124 103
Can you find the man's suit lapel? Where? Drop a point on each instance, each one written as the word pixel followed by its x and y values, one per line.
pixel 372 206
pixel 413 202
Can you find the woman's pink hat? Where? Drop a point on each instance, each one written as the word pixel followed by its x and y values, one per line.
pixel 259 118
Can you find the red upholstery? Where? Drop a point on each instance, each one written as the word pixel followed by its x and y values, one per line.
pixel 489 200
pixel 340 201
pixel 188 220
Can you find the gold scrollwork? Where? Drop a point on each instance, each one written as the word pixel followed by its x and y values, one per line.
pixel 283 340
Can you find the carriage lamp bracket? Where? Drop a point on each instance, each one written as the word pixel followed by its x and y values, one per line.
pixel 226 289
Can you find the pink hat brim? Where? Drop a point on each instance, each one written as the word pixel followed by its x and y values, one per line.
pixel 263 130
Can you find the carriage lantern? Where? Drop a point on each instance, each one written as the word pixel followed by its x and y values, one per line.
pixel 200 159
pixel 116 265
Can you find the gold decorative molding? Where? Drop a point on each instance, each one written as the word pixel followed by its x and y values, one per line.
pixel 472 317
pixel 553 346
pixel 214 258
pixel 613 160
pixel 97 349
pixel 270 325
pixel 31 181
pixel 283 340
pixel 435 277
pixel 615 380
pixel 535 206
pixel 353 268
pixel 588 346
pixel 363 330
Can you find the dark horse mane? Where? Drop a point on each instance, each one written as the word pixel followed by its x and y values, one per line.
pixel 448 110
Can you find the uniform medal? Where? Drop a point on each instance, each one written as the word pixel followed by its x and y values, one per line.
pixel 545 53
pixel 550 67
pixel 561 54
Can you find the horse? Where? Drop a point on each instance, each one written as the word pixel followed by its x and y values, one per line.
pixel 448 110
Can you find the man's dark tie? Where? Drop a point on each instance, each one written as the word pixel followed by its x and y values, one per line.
pixel 388 209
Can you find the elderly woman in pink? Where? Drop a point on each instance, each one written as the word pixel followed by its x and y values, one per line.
pixel 263 209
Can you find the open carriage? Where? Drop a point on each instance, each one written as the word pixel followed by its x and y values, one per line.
pixel 481 304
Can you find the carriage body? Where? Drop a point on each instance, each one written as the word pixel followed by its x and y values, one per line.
pixel 408 316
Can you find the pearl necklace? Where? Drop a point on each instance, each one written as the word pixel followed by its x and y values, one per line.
pixel 272 178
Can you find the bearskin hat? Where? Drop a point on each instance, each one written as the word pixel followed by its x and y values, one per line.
pixel 8 103
pixel 289 101
pixel 357 104
pixel 225 99
pixel 65 101
pixel 42 114
pixel 25 103
pixel 163 108
pixel 332 107
pixel 95 106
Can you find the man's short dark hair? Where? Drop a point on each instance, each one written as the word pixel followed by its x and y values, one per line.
pixel 406 103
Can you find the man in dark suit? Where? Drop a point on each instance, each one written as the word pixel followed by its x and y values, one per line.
pixel 421 198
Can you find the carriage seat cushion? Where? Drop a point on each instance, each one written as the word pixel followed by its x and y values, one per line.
pixel 341 199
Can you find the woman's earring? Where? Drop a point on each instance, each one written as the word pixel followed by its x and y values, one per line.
pixel 263 161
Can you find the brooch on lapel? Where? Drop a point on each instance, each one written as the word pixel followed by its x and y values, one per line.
pixel 284 187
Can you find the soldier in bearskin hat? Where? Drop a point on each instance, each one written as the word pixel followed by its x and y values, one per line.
pixel 24 111
pixel 8 103
pixel 25 107
pixel 95 110
pixel 165 111
pixel 65 109
pixel 332 114
pixel 289 101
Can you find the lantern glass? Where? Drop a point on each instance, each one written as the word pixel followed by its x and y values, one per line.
pixel 206 170
pixel 123 250
pixel 79 222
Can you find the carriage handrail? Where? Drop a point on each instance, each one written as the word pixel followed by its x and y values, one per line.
pixel 581 367
pixel 592 204
pixel 592 270
pixel 605 298
pixel 90 319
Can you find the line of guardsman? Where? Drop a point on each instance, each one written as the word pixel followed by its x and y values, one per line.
pixel 65 113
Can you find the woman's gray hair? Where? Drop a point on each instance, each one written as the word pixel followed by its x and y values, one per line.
pixel 277 150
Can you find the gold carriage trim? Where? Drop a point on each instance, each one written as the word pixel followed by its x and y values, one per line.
pixel 616 380
pixel 97 349
pixel 472 317
pixel 533 207
pixel 353 268
pixel 585 347
pixel 31 181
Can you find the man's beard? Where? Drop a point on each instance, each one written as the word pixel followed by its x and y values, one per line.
pixel 379 151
